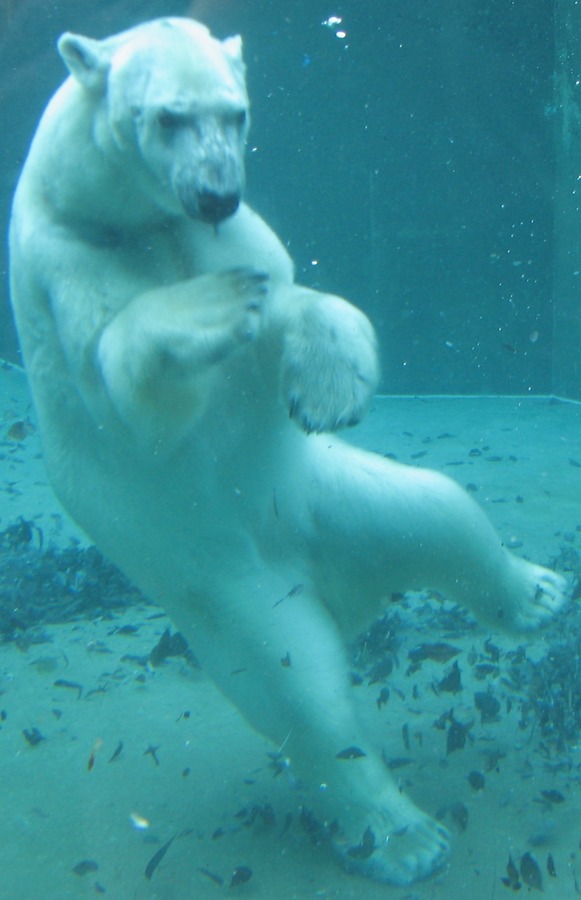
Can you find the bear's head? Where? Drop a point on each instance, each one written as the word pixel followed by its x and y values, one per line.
pixel 172 100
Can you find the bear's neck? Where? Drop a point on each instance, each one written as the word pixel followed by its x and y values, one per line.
pixel 99 190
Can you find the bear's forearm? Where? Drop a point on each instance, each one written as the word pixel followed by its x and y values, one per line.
pixel 158 356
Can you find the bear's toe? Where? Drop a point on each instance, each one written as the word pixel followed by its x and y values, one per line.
pixel 540 596
pixel 412 853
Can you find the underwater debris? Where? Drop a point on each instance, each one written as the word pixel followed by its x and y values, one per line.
pixel 294 591
pixel 567 560
pixel 551 866
pixel 170 645
pixel 477 781
pixel 85 866
pixel 93 754
pixel 552 796
pixel 441 722
pixel 456 739
pixel 381 670
pixel 319 832
pixel 240 875
pixel 71 685
pixel 551 686
pixel 365 848
pixel 33 736
pixel 487 705
pixel 382 698
pixel 211 875
pixel 438 652
pixel 452 682
pixel 279 763
pixel 50 586
pixel 124 629
pixel 530 872
pixel 512 879
pixel 152 751
pixel 20 533
pixel 492 650
pixel 483 670
pixel 20 430
pixel 350 753
pixel 264 814
pixel 375 651
pixel 157 858
pixel 457 734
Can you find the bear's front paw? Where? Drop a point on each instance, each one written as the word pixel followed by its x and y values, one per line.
pixel 241 294
pixel 329 366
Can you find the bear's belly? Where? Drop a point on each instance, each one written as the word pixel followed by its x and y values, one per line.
pixel 231 500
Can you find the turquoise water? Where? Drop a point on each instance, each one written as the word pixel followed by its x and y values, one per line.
pixel 419 159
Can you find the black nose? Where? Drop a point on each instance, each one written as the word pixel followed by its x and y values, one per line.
pixel 215 208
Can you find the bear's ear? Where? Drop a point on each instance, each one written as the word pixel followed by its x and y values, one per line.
pixel 86 60
pixel 232 46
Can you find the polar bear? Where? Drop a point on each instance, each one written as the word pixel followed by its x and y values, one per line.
pixel 188 391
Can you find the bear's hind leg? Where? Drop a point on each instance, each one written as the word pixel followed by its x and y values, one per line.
pixel 291 683
pixel 383 527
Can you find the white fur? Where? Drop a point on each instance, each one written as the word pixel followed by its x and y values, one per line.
pixel 164 367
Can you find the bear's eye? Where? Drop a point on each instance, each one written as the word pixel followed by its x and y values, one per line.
pixel 168 120
pixel 241 118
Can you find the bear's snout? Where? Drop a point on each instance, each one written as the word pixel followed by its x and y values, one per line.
pixel 210 197
pixel 214 208
pixel 208 170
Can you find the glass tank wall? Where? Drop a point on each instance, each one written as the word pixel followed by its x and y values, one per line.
pixel 420 159
pixel 566 365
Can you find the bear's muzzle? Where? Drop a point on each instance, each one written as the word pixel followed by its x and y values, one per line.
pixel 214 208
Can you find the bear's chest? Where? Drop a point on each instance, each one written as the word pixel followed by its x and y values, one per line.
pixel 155 257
